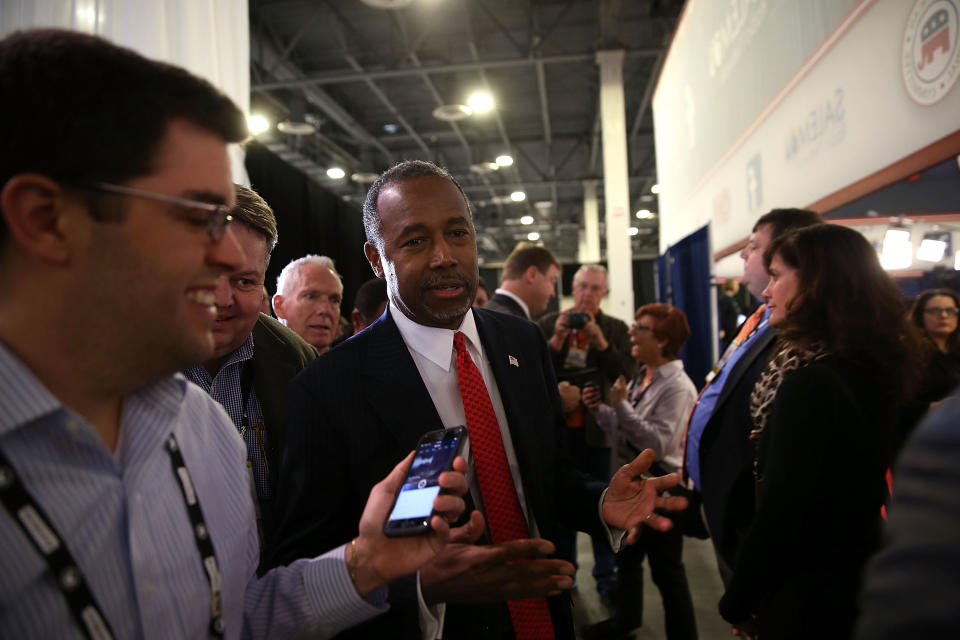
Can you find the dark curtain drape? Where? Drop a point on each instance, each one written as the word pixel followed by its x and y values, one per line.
pixel 310 219
pixel 683 274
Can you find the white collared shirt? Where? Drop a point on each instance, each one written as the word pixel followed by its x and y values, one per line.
pixel 432 351
pixel 515 298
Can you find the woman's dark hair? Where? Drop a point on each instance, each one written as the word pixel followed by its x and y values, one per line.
pixel 916 315
pixel 670 325
pixel 848 303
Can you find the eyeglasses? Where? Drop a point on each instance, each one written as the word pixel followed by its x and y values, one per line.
pixel 941 311
pixel 218 215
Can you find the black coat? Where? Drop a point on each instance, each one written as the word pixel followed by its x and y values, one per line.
pixel 726 453
pixel 360 408
pixel 822 457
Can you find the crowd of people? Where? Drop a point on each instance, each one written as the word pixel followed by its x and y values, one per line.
pixel 183 456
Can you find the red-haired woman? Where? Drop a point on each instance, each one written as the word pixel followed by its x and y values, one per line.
pixel 650 412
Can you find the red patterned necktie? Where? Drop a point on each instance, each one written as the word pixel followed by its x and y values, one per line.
pixel 530 617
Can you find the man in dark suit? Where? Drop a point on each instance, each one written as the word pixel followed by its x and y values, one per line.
pixel 363 404
pixel 719 455
pixel 528 282
pixel 255 356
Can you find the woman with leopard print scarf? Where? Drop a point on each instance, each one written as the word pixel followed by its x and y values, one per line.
pixel 823 414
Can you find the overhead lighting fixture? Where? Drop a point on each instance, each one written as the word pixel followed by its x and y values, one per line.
pixel 518 196
pixel 482 168
pixel 364 177
pixel 504 161
pixel 646 198
pixel 452 112
pixel 655 188
pixel 257 124
pixel 480 102
pixel 390 128
pixel 632 231
pixel 543 205
pixel 526 220
pixel 644 214
pixel 533 236
pixel 297 123
pixel 336 173
pixel 897 251
pixel 931 250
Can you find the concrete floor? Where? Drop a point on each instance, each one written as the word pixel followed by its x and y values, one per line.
pixel 705 587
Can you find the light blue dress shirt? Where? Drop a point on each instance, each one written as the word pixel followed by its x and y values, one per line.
pixel 125 522
pixel 703 410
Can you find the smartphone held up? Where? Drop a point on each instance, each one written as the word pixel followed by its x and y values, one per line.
pixel 413 506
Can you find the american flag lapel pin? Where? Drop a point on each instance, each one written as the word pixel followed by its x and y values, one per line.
pixel 513 361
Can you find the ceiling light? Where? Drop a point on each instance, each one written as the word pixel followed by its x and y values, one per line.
pixel 518 196
pixel 480 102
pixel 533 236
pixel 504 160
pixel 452 112
pixel 364 177
pixel 655 189
pixel 390 127
pixel 897 251
pixel 336 173
pixel 646 198
pixel 931 250
pixel 484 167
pixel 543 205
pixel 644 214
pixel 632 231
pixel 296 128
pixel 257 124
pixel 526 220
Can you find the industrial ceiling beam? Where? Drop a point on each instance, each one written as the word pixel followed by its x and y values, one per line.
pixel 341 77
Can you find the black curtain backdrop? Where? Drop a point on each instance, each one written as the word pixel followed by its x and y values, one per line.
pixel 310 219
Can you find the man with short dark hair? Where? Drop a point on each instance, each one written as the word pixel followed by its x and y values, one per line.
pixel 254 355
pixel 719 454
pixel 369 303
pixel 528 282
pixel 125 506
pixel 433 361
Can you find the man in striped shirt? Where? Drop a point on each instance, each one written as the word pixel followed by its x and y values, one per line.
pixel 126 509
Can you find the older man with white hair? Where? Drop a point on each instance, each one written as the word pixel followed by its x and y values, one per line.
pixel 309 293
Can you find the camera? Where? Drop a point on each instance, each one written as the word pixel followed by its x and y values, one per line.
pixel 578 319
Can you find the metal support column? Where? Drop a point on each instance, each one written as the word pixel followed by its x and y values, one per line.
pixel 616 186
pixel 589 248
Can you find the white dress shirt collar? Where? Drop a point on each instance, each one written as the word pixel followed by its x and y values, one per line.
pixel 515 298
pixel 433 343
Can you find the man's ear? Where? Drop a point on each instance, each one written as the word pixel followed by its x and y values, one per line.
pixel 356 319
pixel 530 274
pixel 278 307
pixel 33 207
pixel 373 257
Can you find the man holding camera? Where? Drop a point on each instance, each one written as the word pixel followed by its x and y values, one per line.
pixel 589 347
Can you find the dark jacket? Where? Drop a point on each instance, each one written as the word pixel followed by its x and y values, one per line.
pixel 358 410
pixel 822 458
pixel 616 361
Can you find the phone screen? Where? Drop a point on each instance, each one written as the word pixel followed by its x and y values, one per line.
pixel 420 488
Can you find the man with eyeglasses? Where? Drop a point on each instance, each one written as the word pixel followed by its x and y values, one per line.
pixel 254 355
pixel 125 506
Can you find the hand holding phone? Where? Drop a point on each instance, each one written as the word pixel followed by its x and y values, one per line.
pixel 413 506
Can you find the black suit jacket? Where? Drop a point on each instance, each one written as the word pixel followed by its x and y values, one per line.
pixel 355 412
pixel 279 354
pixel 726 453
pixel 505 304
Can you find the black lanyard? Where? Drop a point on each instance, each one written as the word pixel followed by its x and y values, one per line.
pixel 70 580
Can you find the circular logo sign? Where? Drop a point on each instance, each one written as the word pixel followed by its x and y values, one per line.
pixel 930 55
